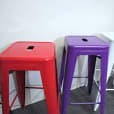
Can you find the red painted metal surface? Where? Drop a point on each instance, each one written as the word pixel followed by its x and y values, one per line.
pixel 23 56
pixel 13 101
pixel 34 87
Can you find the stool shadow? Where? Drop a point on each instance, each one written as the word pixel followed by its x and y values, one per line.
pixel 59 46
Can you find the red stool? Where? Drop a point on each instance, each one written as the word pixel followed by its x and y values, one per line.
pixel 22 56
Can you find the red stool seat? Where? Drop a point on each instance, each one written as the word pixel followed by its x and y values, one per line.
pixel 22 56
pixel 29 51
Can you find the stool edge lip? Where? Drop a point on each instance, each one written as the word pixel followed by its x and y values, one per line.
pixel 32 42
pixel 3 59
pixel 84 46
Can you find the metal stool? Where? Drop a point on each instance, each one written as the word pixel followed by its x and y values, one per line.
pixel 22 56
pixel 83 45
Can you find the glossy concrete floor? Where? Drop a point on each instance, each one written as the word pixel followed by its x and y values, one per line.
pixel 78 95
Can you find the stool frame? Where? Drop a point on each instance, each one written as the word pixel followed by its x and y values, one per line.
pixel 48 75
pixel 67 69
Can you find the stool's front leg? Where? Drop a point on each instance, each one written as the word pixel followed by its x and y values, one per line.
pixel 104 61
pixel 4 73
pixel 69 70
pixel 48 74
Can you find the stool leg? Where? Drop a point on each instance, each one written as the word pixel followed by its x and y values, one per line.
pixel 62 69
pixel 104 61
pixel 69 70
pixel 20 76
pixel 91 69
pixel 5 90
pixel 48 74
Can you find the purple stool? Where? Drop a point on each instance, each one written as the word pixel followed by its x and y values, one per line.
pixel 83 45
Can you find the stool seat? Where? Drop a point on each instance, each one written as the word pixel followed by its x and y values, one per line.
pixel 29 51
pixel 85 41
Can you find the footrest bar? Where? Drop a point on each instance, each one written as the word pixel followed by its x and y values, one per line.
pixel 109 89
pixel 79 77
pixel 85 103
pixel 33 87
pixel 13 101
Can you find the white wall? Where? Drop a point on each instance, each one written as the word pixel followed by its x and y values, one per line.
pixel 49 20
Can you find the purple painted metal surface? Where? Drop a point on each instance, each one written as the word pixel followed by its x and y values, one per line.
pixel 83 45
pixel 85 41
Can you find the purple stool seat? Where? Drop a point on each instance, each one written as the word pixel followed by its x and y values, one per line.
pixel 83 45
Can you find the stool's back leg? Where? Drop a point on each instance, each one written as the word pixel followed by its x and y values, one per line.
pixel 20 76
pixel 91 69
